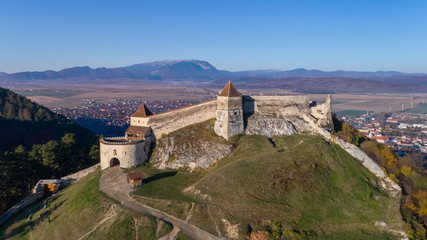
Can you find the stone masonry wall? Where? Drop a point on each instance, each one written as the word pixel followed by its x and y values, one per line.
pixel 27 201
pixel 80 174
pixel 167 122
pixel 129 155
pixel 275 105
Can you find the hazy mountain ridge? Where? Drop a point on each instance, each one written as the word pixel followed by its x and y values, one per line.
pixel 301 72
pixel 194 69
pixel 201 72
pixel 185 69
pixel 326 84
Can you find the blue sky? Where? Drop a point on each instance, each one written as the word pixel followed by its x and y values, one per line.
pixel 231 35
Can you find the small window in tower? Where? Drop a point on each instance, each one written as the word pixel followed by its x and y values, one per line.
pixel 235 113
pixel 138 121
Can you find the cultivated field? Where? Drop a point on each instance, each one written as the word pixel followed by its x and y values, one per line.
pixel 69 95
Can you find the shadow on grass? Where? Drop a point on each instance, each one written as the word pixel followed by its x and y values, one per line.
pixel 159 176
pixel 31 220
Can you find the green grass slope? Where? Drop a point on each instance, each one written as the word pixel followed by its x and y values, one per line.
pixel 81 211
pixel 293 186
pixel 290 187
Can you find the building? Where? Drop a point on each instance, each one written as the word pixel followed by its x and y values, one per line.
pixel 135 178
pixel 229 112
pixel 234 114
pixel 381 139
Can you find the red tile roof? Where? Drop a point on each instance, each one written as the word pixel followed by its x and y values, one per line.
pixel 380 138
pixel 142 112
pixel 230 91
pixel 137 130
pixel 136 175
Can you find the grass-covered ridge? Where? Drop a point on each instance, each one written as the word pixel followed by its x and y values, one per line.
pixel 300 184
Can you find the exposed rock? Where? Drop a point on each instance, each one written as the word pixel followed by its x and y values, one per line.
pixel 232 230
pixel 323 115
pixel 380 224
pixel 269 126
pixel 260 235
pixel 191 147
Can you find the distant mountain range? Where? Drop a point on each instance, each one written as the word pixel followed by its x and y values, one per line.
pixel 202 72
pixel 187 70
pixel 325 85
pixel 161 70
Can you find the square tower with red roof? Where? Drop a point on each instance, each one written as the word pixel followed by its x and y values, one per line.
pixel 229 112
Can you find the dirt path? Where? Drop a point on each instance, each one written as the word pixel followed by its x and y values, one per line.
pixel 113 182
pixel 190 213
pixel 172 235
pixel 112 212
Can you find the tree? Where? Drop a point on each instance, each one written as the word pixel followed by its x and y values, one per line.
pixel 49 153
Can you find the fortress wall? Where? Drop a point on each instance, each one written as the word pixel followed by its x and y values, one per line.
pixel 168 122
pixel 277 105
pixel 17 207
pixel 129 155
pixel 80 174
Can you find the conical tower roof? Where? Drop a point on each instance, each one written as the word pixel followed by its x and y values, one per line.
pixel 142 112
pixel 230 91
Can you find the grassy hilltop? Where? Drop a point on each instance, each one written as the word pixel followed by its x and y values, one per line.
pixel 293 187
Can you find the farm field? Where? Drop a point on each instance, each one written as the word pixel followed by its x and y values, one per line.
pixel 69 95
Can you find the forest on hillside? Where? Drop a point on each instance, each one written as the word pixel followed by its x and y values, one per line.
pixel 23 122
pixel 36 143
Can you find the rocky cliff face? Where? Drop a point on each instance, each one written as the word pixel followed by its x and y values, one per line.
pixel 190 147
pixel 270 126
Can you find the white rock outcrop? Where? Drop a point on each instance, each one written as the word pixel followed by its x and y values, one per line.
pixel 269 126
pixel 170 153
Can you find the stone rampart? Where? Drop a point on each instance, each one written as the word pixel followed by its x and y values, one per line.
pixel 27 201
pixel 80 174
pixel 275 105
pixel 168 122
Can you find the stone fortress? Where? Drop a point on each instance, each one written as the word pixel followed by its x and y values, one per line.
pixel 234 114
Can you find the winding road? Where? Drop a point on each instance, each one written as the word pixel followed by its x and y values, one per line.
pixel 113 182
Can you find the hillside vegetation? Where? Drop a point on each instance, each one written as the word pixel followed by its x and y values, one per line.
pixel 81 211
pixel 292 187
pixel 288 187
pixel 23 122
pixel 36 143
pixel 411 177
